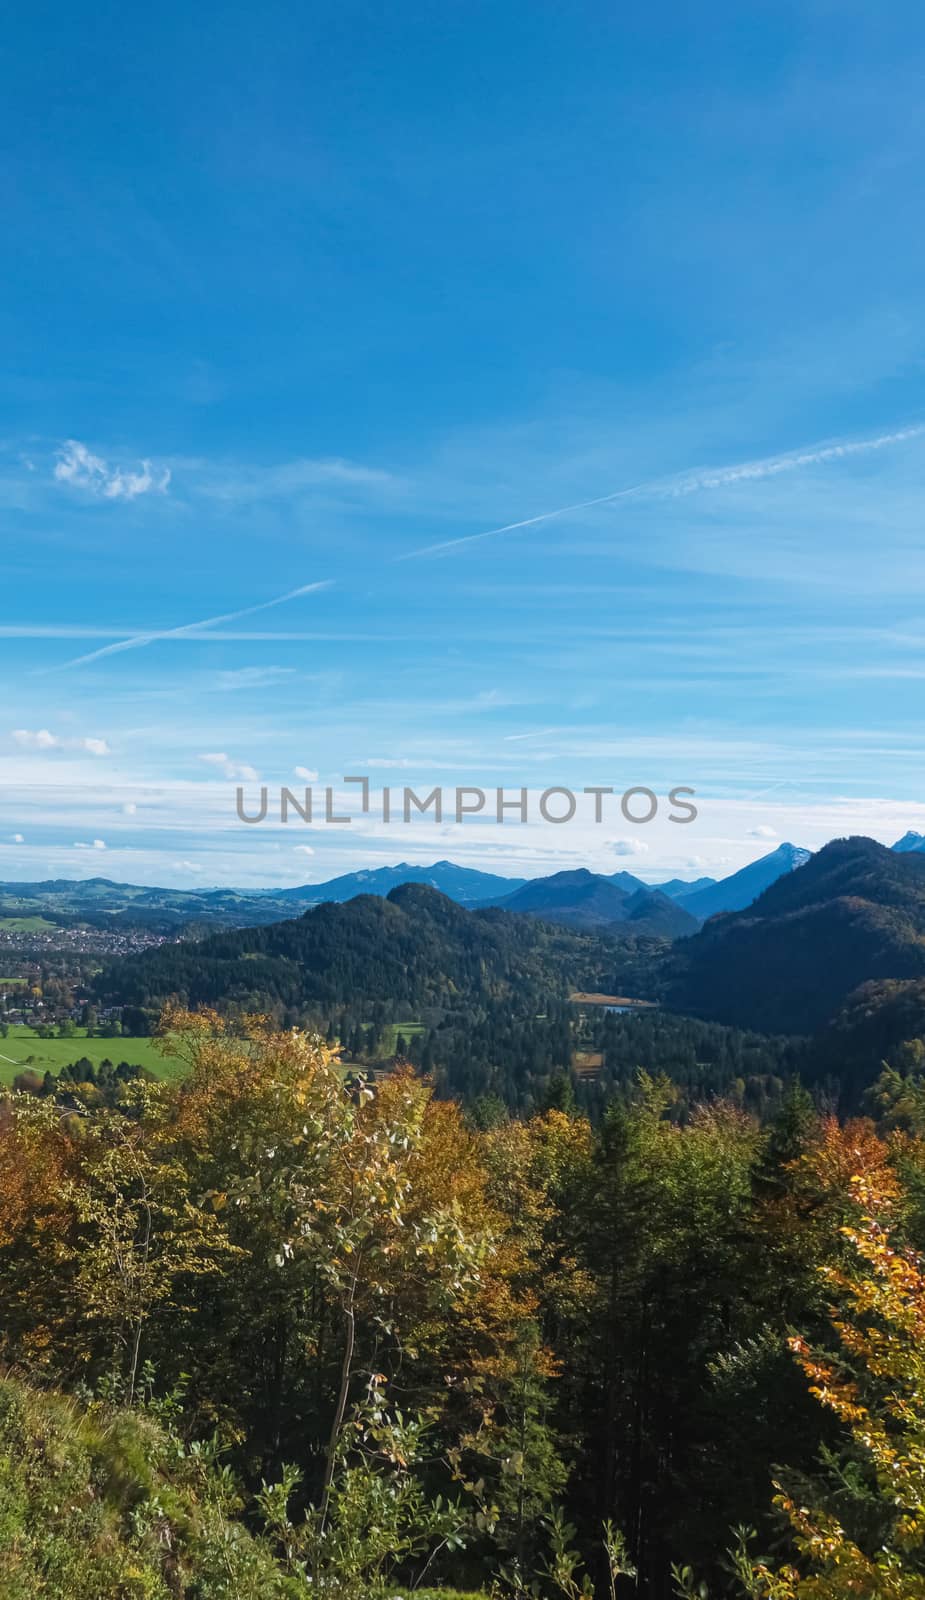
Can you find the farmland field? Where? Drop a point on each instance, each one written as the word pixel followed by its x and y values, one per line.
pixel 22 1048
pixel 393 1029
pixel 25 925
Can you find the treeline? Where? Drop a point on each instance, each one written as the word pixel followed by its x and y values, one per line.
pixel 535 1355
pixel 97 1084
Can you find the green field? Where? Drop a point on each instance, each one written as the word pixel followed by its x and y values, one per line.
pixel 22 1048
pixel 26 924
pixel 393 1029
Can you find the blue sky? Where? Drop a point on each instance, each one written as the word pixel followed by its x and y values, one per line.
pixel 302 299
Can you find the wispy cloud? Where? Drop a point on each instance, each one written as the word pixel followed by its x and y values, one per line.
pixel 43 739
pixel 694 481
pixel 79 467
pixel 252 677
pixel 189 630
pixel 95 844
pixel 246 484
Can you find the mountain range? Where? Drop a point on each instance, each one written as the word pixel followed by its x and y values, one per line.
pixel 578 898
pixel 741 888
pixel 584 899
pixel 833 950
pixel 462 884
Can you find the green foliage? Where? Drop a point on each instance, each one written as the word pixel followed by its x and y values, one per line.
pixel 525 1356
pixel 102 1504
pixel 376 1517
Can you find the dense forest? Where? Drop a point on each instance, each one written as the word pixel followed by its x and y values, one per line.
pixel 272 1330
pixel 415 948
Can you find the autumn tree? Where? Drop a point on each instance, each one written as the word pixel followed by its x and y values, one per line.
pixel 875 1388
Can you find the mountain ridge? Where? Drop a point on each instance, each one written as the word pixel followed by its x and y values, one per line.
pixel 853 914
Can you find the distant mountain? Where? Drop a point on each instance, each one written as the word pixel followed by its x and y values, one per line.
pixel 852 914
pixel 462 884
pixel 584 899
pixel 413 950
pixel 910 841
pixel 743 887
pixel 625 881
pixel 677 888
pixel 104 903
pixel 577 897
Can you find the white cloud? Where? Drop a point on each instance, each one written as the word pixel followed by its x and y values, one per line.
pixel 129 809
pixel 98 844
pixel 18 838
pixel 187 866
pixel 306 774
pixel 79 467
pixel 229 768
pixel 629 847
pixel 761 833
pixel 43 739
pixel 304 850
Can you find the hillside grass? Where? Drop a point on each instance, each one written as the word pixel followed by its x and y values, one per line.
pixel 23 1048
pixel 97 1504
pixel 392 1030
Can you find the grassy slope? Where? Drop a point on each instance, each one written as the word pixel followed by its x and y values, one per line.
pixel 53 1054
pixel 96 1505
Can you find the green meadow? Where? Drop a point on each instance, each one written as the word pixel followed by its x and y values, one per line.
pixel 23 1048
pixel 25 924
pixel 392 1031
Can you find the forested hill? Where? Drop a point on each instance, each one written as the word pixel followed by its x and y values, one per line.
pixel 854 913
pixel 413 950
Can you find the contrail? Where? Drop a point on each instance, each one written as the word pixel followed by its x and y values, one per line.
pixel 770 466
pixel 138 640
pixel 693 481
pixel 528 522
